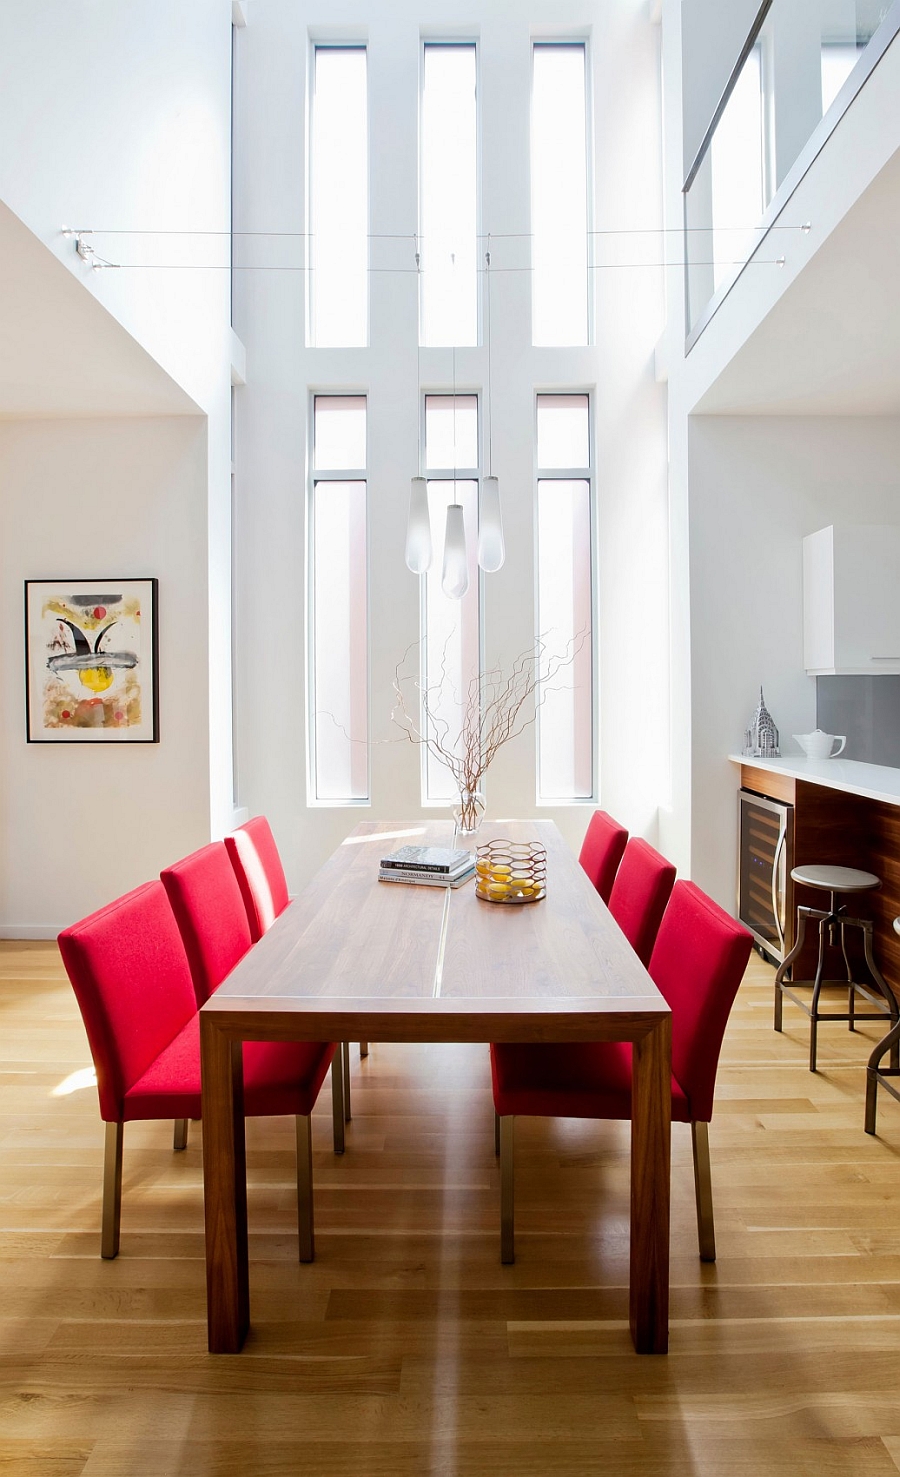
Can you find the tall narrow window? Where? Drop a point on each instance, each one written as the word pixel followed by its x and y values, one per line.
pixel 339 199
pixel 449 188
pixel 565 599
pixel 452 644
pixel 339 685
pixel 559 195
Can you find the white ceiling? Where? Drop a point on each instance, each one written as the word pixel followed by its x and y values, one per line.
pixel 831 344
pixel 61 353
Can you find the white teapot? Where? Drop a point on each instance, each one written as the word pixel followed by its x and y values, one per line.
pixel 819 745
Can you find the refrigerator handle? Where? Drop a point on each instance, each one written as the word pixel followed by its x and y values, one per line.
pixel 779 882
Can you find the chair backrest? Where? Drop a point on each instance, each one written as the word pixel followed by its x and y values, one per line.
pixel 131 978
pixel 210 912
pixel 601 851
pixel 639 895
pixel 257 867
pixel 697 963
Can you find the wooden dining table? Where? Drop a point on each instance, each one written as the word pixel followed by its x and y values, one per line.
pixel 352 958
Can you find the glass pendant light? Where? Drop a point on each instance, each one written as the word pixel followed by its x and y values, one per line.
pixel 455 572
pixel 491 550
pixel 491 547
pixel 418 528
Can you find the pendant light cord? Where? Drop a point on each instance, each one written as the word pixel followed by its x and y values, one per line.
pixel 455 498
pixel 418 356
pixel 487 268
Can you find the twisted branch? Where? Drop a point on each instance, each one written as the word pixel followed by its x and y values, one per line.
pixel 492 712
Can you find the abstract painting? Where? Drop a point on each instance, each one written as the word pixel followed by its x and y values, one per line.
pixel 91 661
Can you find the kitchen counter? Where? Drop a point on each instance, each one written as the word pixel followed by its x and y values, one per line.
pixel 871 781
pixel 846 814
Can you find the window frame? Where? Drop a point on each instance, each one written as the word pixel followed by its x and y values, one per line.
pixel 444 474
pixel 313 800
pixel 315 45
pixel 457 42
pixel 584 41
pixel 570 474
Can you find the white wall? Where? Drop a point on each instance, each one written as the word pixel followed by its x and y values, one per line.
pixel 81 824
pixel 116 119
pixel 758 485
pixel 273 408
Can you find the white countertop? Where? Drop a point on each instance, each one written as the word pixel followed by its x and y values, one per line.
pixel 874 781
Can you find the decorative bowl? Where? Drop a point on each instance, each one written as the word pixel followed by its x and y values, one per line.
pixel 511 872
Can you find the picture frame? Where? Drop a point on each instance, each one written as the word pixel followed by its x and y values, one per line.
pixel 92 661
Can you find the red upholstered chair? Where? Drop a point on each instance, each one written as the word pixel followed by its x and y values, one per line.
pixel 697 964
pixel 257 865
pixel 131 978
pixel 601 851
pixel 260 875
pixel 639 895
pixel 209 909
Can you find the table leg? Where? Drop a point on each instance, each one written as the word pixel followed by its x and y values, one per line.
pixel 224 1189
pixel 651 1114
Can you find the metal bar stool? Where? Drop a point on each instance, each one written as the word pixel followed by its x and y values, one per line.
pixel 876 1073
pixel 835 881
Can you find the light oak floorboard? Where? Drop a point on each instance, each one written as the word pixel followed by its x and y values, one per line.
pixel 405 1348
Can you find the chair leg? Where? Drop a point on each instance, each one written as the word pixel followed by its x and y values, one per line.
pixel 871 1098
pixel 786 963
pixel 507 1191
pixel 706 1227
pixel 851 993
pixel 496 1133
pixel 337 1098
pixel 887 1044
pixel 345 1047
pixel 817 990
pixel 364 1048
pixel 886 991
pixel 112 1191
pixel 181 1135
pixel 305 1188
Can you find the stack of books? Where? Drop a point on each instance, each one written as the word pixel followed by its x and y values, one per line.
pixel 428 866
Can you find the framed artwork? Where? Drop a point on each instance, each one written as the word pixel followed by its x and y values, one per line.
pixel 91 661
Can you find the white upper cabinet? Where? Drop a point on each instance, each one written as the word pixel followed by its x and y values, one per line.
pixel 851 600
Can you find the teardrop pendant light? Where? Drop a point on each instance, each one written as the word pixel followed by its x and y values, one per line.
pixel 491 551
pixel 418 528
pixel 455 573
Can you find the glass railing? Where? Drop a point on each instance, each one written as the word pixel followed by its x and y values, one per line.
pixel 803 60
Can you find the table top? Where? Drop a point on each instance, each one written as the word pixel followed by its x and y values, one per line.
pixel 357 958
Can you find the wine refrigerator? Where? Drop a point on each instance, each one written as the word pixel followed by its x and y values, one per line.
pixel 765 859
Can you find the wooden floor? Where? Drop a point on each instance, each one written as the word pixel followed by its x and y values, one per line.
pixel 406 1348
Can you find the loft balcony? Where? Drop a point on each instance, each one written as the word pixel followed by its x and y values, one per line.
pixel 791 207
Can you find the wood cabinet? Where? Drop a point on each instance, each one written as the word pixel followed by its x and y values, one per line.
pixel 851 600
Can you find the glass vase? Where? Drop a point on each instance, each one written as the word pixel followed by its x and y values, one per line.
pixel 469 813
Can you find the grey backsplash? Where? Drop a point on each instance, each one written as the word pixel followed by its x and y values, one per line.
pixel 867 710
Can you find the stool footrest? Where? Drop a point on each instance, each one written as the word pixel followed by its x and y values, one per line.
pixel 883 1008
